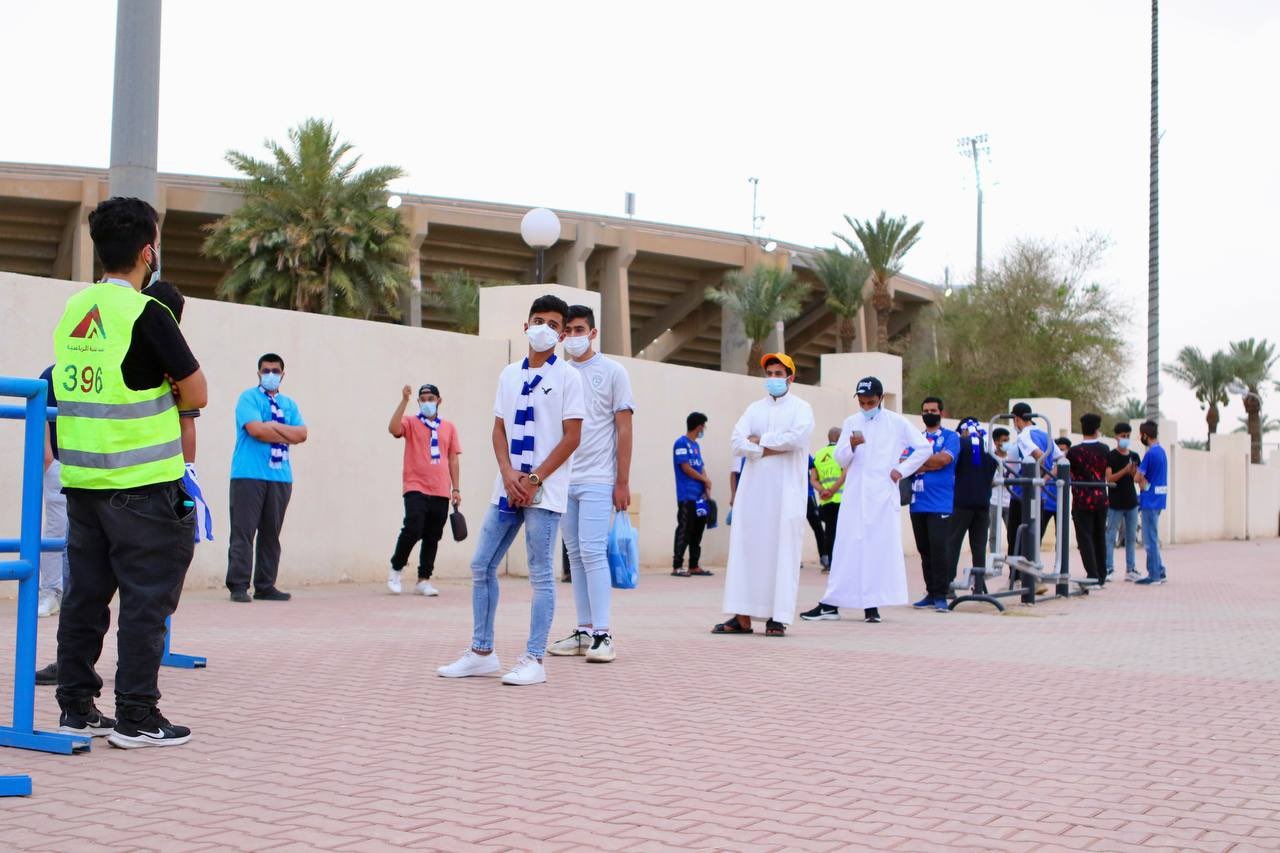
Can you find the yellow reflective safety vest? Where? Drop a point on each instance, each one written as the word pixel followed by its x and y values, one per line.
pixel 110 436
pixel 824 461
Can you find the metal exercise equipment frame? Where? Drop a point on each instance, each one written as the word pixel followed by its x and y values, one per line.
pixel 26 571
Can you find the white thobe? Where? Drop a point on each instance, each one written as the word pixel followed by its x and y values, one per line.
pixel 767 534
pixel 867 566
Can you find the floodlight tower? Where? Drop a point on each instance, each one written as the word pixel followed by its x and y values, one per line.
pixel 975 147
pixel 135 102
pixel 756 219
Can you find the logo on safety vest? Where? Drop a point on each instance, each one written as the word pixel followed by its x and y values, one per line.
pixel 90 326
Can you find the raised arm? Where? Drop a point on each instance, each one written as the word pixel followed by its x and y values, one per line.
pixel 396 426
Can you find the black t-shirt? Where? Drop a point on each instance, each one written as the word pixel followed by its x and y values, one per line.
pixel 1125 494
pixel 157 348
pixel 51 401
pixel 973 480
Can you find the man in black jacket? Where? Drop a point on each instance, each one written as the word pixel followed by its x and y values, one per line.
pixel 975 468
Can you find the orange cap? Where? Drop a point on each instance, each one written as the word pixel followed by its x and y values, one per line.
pixel 779 357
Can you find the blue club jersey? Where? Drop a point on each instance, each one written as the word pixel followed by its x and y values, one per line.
pixel 687 451
pixel 1155 469
pixel 1049 492
pixel 935 491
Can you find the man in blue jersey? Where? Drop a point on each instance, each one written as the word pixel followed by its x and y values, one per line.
pixel 1153 479
pixel 1030 443
pixel 933 493
pixel 693 491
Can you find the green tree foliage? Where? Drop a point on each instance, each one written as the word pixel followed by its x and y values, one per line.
pixel 1030 328
pixel 458 296
pixel 313 233
pixel 1132 410
pixel 761 297
pixel 884 243
pixel 844 277
pixel 1251 363
pixel 1208 378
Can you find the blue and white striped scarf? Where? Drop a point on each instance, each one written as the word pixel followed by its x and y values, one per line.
pixel 522 429
pixel 204 518
pixel 279 452
pixel 433 426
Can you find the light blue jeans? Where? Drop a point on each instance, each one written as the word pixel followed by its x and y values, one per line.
pixel 1129 518
pixel 1151 542
pixel 53 564
pixel 496 535
pixel 586 537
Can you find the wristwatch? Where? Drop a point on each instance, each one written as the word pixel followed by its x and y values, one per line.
pixel 535 479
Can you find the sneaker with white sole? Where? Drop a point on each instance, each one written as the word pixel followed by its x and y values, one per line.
pixel 393 581
pixel 50 603
pixel 528 671
pixel 425 588
pixel 576 643
pixel 601 650
pixel 471 664
pixel 91 722
pixel 152 730
pixel 1130 577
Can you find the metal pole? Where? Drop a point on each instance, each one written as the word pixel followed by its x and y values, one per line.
pixel 977 275
pixel 135 102
pixel 1153 230
pixel 537 265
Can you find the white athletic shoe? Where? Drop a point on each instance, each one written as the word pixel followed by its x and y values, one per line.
pixel 527 671
pixel 393 581
pixel 50 603
pixel 576 643
pixel 471 664
pixel 1132 576
pixel 601 650
pixel 425 588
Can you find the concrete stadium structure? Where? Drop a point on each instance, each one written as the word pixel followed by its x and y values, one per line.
pixel 651 277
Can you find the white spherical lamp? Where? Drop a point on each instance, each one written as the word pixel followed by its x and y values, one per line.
pixel 540 228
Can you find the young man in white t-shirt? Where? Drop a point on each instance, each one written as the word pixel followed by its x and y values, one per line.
pixel 600 484
pixel 537 425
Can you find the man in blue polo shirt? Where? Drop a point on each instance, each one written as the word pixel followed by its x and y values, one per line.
pixel 933 494
pixel 693 490
pixel 1153 479
pixel 268 424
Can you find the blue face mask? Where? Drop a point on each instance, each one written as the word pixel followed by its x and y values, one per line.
pixel 428 409
pixel 871 413
pixel 776 385
pixel 1122 443
pixel 270 381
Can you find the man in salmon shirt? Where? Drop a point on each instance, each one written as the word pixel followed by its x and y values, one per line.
pixel 431 483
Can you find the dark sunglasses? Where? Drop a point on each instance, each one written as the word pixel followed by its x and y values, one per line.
pixel 266 370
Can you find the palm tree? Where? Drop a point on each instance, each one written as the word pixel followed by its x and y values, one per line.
pixel 844 276
pixel 1207 377
pixel 1132 409
pixel 1267 425
pixel 761 297
pixel 1252 362
pixel 883 243
pixel 313 234
pixel 458 295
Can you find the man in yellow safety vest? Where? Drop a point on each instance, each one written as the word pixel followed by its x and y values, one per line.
pixel 828 482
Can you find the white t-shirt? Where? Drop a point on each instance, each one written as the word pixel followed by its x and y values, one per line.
pixel 607 389
pixel 557 398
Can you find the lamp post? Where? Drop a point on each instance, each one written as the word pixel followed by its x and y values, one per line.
pixel 540 229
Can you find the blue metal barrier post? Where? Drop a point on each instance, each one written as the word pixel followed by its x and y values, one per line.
pixel 177 660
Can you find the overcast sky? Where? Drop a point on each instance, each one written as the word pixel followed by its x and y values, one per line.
pixel 840 107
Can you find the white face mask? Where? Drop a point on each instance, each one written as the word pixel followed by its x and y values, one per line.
pixel 577 346
pixel 542 337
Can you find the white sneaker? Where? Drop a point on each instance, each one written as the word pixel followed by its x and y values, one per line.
pixel 576 643
pixel 50 603
pixel 393 581
pixel 425 588
pixel 1132 576
pixel 601 650
pixel 471 664
pixel 527 671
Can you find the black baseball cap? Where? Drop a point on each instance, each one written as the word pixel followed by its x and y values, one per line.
pixel 870 386
pixel 428 389
pixel 1021 410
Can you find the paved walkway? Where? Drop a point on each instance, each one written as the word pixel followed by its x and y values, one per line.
pixel 1135 717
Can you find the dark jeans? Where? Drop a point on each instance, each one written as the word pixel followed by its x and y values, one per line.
pixel 814 517
pixel 974 523
pixel 257 509
pixel 931 529
pixel 830 514
pixel 424 518
pixel 689 527
pixel 1091 539
pixel 138 543
pixel 1015 520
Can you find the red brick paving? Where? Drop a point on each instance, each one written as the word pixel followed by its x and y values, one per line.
pixel 1134 717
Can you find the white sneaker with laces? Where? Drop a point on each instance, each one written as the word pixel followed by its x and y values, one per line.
pixel 601 650
pixel 471 664
pixel 393 581
pixel 576 643
pixel 425 588
pixel 50 603
pixel 1132 576
pixel 527 671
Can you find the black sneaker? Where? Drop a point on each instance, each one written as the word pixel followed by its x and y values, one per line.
pixel 152 730
pixel 240 596
pixel 821 612
pixel 272 594
pixel 871 614
pixel 92 723
pixel 48 675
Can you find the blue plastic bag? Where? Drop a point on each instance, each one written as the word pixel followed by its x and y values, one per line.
pixel 624 553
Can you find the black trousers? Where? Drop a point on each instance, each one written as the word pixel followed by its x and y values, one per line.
pixel 931 530
pixel 1091 539
pixel 975 524
pixel 830 514
pixel 424 518
pixel 138 543
pixel 257 511
pixel 689 528
pixel 814 517
pixel 1015 520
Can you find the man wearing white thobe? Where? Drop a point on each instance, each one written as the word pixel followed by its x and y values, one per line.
pixel 770 506
pixel 867 567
